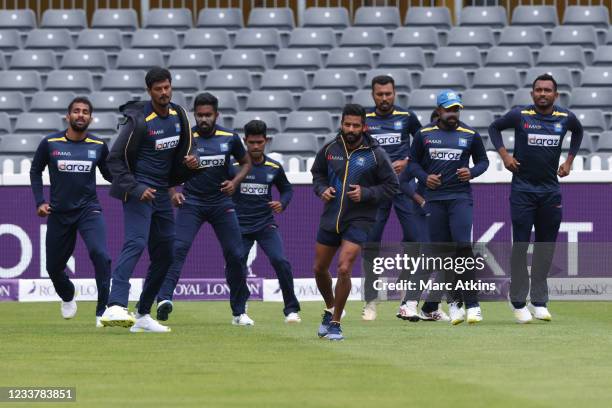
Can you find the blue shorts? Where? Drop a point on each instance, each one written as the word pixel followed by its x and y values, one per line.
pixel 355 234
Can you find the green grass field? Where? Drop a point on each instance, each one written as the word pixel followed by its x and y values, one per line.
pixel 206 362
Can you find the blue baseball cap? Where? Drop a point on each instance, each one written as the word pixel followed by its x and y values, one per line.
pixel 448 98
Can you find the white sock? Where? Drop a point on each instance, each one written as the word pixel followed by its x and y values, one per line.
pixel 330 310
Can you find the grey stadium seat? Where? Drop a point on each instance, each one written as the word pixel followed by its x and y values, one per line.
pixel 51 101
pixel 385 17
pixel 280 18
pixel 422 37
pixel 465 57
pixel 506 78
pixel 532 36
pixel 186 80
pixel 438 17
pixel 584 36
pixel 364 98
pixel 103 39
pixel 401 77
pixel 24 81
pixel 202 60
pixel 478 119
pixel 20 143
pixel 596 77
pixel 488 99
pixel 517 57
pixel 162 39
pixel 407 58
pixel 603 56
pixel 317 122
pixel 9 40
pixel 109 101
pixel 592 120
pixel 54 40
pixel 332 17
pixel 280 101
pixel 228 102
pixel 104 123
pixel 585 146
pixel 234 80
pixel 595 16
pixel 39 123
pixel 494 17
pixel 122 19
pixel 71 19
pixel 481 37
pixel 227 18
pixel 12 102
pixel 455 78
pixel 543 16
pixel 326 100
pixel 344 79
pixel 591 98
pixel 260 38
pixel 142 59
pixel 39 60
pixel 91 60
pixel 295 144
pixel 355 58
pixel 123 81
pixel 321 38
pixel 522 97
pixel 307 59
pixel 293 80
pixel 5 122
pixel 605 142
pixel 562 56
pixel 216 39
pixel 21 19
pixel 175 18
pixel 562 75
pixel 423 99
pixel 243 59
pixel 271 118
pixel 372 37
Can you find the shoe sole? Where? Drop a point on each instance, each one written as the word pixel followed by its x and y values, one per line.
pixel 335 338
pixel 544 319
pixel 293 321
pixel 118 323
pixel 409 318
pixel 456 322
pixel 474 321
pixel 140 330
pixel 163 311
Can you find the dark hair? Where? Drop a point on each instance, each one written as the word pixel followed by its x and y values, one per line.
pixel 157 74
pixel 255 127
pixel 383 80
pixel 81 99
pixel 353 109
pixel 434 116
pixel 545 77
pixel 206 99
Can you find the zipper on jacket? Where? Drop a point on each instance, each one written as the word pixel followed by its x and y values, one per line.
pixel 348 158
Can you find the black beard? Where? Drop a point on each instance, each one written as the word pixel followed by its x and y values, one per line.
pixel 350 138
pixel 74 126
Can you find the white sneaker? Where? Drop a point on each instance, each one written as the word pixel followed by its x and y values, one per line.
pixel 540 312
pixel 146 324
pixel 408 311
pixel 242 320
pixel 69 309
pixel 435 316
pixel 457 314
pixel 99 322
pixel 369 311
pixel 521 315
pixel 117 316
pixel 292 318
pixel 474 315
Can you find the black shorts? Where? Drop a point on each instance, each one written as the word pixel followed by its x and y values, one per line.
pixel 355 234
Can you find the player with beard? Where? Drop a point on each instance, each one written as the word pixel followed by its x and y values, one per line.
pixel 352 175
pixel 439 158
pixel 535 195
pixel 72 156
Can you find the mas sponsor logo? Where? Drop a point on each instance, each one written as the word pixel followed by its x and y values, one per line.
pixel 56 153
pixel 432 141
pixel 254 189
pixel 156 132
pixel 167 143
pixel 212 161
pixel 445 154
pixel 74 166
pixel 388 139
pixel 532 126
pixel 333 157
pixel 543 140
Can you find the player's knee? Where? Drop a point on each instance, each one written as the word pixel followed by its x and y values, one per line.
pixel 99 255
pixel 137 244
pixel 319 269
pixel 344 270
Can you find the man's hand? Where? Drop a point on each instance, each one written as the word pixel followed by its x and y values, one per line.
pixel 464 174
pixel 228 187
pixel 177 199
pixel 191 162
pixel 564 169
pixel 434 181
pixel 419 199
pixel 399 166
pixel 329 194
pixel 148 194
pixel 276 206
pixel 355 193
pixel 511 163
pixel 43 210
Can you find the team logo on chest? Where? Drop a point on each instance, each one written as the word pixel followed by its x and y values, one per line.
pixel 360 161
pixel 91 154
pixel 224 147
pixel 177 127
pixel 462 142
pixel 269 177
pixel 397 125
pixel 558 127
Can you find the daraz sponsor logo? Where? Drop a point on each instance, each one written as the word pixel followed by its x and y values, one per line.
pixel 543 140
pixel 445 154
pixel 74 166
